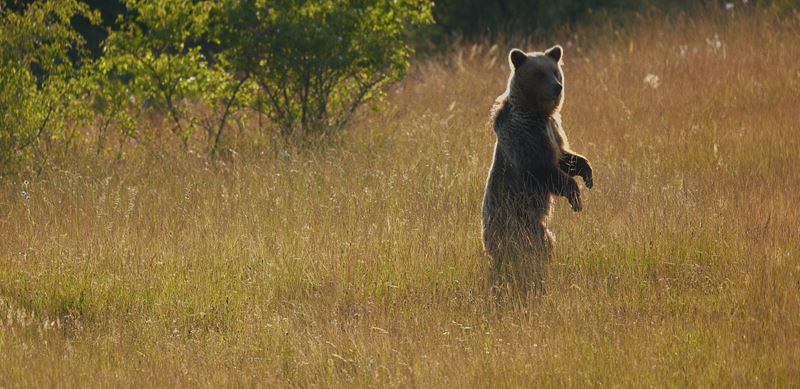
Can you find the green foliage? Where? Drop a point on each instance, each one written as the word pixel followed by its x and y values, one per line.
pixel 308 65
pixel 40 78
pixel 785 6
pixel 315 62
pixel 188 68
pixel 155 62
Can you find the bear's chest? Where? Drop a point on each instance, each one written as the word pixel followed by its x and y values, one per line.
pixel 552 132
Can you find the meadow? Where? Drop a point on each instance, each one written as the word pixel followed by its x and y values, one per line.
pixel 357 262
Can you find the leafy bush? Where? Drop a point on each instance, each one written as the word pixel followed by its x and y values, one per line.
pixel 199 63
pixel 40 78
pixel 156 62
pixel 315 62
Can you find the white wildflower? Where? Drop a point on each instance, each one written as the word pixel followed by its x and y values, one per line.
pixel 714 42
pixel 652 81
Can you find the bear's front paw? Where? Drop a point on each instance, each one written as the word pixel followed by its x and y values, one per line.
pixel 587 177
pixel 575 201
pixel 574 196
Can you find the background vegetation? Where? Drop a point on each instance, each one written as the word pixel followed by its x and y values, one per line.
pixel 223 77
pixel 356 261
pixel 176 74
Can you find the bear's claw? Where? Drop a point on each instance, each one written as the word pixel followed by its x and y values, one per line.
pixel 575 202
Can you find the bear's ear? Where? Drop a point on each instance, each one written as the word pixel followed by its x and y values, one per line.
pixel 555 53
pixel 517 57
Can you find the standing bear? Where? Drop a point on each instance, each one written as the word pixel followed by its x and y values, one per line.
pixel 532 160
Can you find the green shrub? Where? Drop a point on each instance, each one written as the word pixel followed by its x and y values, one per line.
pixel 155 62
pixel 41 81
pixel 199 63
pixel 315 62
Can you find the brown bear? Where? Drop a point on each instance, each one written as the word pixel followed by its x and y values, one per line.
pixel 532 160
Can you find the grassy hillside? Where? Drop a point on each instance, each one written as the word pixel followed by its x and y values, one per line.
pixel 359 263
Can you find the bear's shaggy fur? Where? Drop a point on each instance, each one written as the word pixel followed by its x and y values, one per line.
pixel 532 160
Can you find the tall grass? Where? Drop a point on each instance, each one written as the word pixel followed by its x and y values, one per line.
pixel 360 264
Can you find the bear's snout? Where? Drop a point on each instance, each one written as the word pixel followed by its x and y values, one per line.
pixel 557 89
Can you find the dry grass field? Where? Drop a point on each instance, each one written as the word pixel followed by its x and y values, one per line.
pixel 358 263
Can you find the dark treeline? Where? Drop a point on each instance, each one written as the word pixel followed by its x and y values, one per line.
pixel 470 19
pixel 475 19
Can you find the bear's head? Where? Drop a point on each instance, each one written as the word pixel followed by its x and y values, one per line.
pixel 537 82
